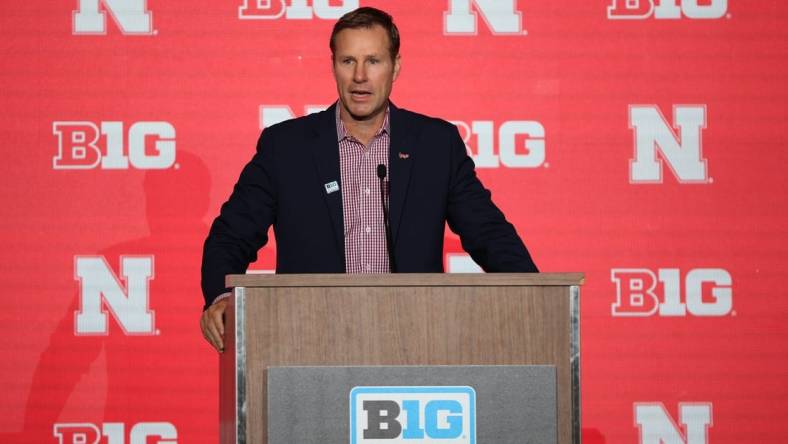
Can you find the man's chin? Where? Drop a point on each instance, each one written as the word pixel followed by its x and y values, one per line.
pixel 362 113
pixel 361 117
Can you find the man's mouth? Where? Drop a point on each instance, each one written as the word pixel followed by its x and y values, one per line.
pixel 360 94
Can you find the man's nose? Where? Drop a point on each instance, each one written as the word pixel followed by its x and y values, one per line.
pixel 360 73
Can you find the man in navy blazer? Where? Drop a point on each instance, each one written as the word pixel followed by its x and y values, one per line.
pixel 292 182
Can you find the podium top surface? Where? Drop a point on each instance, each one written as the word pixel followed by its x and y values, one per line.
pixel 405 280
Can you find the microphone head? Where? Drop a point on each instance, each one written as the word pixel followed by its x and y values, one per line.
pixel 381 171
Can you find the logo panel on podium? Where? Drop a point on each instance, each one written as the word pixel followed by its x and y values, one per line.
pixel 403 414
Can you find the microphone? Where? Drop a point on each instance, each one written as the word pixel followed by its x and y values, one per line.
pixel 381 176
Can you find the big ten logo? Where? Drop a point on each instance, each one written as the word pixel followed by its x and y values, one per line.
pixel 131 16
pixel 100 287
pixel 273 114
pixel 115 433
pixel 87 145
pixel 295 9
pixel 683 152
pixel 500 16
pixel 667 9
pixel 413 415
pixel 642 292
pixel 658 427
pixel 521 143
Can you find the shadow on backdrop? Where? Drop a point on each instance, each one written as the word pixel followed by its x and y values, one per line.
pixel 169 376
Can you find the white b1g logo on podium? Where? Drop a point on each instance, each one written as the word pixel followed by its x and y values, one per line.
pixel 396 415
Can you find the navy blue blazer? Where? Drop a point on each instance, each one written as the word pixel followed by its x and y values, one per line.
pixel 284 186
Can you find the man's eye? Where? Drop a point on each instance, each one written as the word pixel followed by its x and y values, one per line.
pixel 347 61
pixel 373 61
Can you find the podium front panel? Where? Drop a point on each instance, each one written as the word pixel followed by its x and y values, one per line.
pixel 456 404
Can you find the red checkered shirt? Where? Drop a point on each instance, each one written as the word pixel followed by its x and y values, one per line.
pixel 365 233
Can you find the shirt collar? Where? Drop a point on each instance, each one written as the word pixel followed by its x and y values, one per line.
pixel 342 132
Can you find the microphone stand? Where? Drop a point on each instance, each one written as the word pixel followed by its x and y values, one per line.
pixel 389 246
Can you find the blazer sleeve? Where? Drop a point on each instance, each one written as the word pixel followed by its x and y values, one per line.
pixel 241 228
pixel 483 229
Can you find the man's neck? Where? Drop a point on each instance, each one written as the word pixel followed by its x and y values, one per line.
pixel 363 130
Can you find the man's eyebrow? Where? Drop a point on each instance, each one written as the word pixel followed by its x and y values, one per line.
pixel 365 56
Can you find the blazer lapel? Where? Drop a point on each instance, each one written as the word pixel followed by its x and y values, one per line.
pixel 402 155
pixel 325 153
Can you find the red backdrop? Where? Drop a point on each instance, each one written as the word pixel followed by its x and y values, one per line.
pixel 641 142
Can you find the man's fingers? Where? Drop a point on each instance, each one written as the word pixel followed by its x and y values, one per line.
pixel 215 336
pixel 217 318
pixel 212 324
pixel 210 332
pixel 204 328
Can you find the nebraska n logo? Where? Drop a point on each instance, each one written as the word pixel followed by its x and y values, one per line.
pixel 129 306
pixel 658 427
pixel 682 153
pixel 131 17
pixel 501 17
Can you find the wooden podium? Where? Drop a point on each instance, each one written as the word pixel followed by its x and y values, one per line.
pixel 395 319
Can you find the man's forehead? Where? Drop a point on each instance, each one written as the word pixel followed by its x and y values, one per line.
pixel 371 40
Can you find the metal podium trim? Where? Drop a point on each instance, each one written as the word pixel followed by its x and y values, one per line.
pixel 574 352
pixel 240 366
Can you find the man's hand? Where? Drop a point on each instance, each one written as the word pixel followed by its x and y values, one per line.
pixel 212 324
